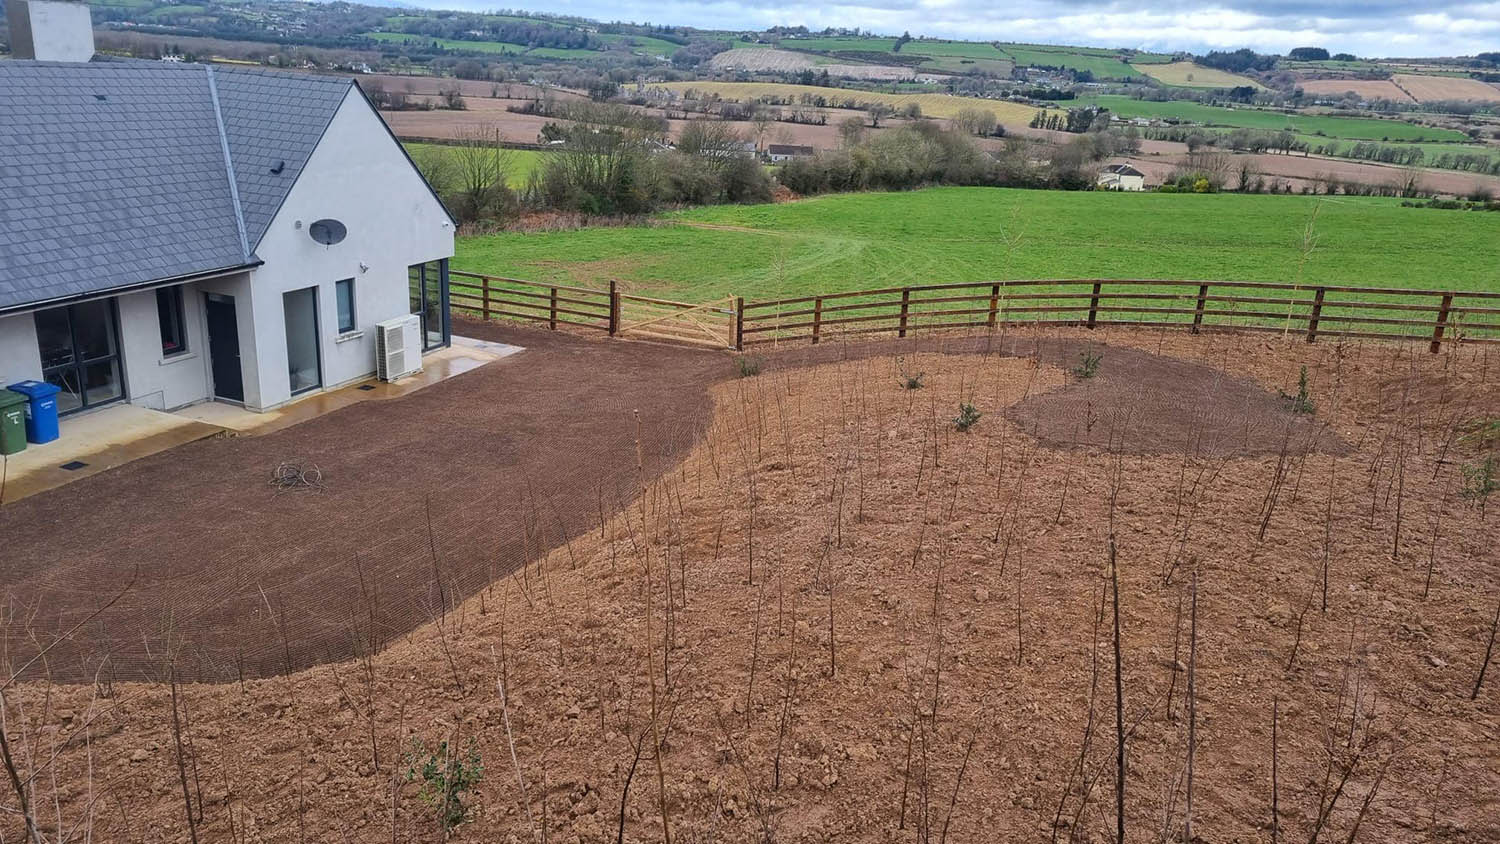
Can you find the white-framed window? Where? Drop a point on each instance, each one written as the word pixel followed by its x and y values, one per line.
pixel 343 295
pixel 173 326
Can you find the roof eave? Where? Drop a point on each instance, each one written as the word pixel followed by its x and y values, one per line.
pixel 167 281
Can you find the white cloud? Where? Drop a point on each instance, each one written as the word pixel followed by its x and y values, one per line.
pixel 1375 28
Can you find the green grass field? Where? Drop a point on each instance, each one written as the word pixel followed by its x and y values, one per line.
pixel 828 45
pixel 449 43
pixel 523 162
pixel 861 241
pixel 561 53
pixel 962 49
pixel 173 11
pixel 644 45
pixel 1353 128
pixel 1104 67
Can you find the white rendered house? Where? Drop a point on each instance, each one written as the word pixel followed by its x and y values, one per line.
pixel 178 233
pixel 1121 177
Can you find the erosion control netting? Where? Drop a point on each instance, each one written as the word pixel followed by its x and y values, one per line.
pixel 419 502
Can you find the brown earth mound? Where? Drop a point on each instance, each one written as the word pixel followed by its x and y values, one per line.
pixel 1130 400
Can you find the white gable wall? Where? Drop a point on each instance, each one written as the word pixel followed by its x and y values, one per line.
pixel 359 176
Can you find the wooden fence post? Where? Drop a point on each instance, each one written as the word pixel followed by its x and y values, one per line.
pixel 905 307
pixel 1317 313
pixel 994 305
pixel 614 308
pixel 552 310
pixel 739 324
pixel 1094 305
pixel 1198 311
pixel 817 319
pixel 1442 323
pixel 484 291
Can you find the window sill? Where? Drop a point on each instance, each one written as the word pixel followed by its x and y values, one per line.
pixel 348 335
pixel 177 358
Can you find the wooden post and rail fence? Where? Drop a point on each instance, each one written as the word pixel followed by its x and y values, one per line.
pixel 1311 311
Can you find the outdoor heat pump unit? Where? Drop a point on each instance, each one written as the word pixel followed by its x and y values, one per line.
pixel 398 347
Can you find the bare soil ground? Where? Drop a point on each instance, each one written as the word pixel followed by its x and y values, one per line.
pixel 242 579
pixel 767 59
pixel 1373 89
pixel 1430 88
pixel 1315 171
pixel 840 619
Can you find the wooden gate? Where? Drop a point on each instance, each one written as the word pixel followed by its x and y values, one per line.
pixel 710 324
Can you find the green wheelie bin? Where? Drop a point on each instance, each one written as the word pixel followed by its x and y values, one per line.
pixel 12 422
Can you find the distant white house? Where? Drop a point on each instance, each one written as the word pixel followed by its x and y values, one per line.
pixel 174 233
pixel 1121 177
pixel 779 153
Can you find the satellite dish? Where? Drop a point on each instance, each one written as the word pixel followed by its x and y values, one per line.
pixel 327 232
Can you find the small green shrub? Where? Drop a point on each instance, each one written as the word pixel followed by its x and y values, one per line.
pixel 967 416
pixel 1088 364
pixel 1479 480
pixel 747 365
pixel 909 382
pixel 1302 402
pixel 447 776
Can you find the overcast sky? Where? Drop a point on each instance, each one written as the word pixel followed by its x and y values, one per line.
pixel 1373 28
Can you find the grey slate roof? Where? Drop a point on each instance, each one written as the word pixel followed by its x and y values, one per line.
pixel 114 173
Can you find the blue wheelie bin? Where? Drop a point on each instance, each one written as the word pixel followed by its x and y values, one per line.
pixel 41 410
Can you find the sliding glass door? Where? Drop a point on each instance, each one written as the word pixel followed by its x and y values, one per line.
pixel 81 353
pixel 429 300
pixel 304 369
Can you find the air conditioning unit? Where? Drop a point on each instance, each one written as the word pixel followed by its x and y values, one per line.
pixel 398 347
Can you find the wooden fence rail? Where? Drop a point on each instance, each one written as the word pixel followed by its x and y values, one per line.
pixel 1312 311
pixel 489 296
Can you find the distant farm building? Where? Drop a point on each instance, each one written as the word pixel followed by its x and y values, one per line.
pixel 779 153
pixel 1121 177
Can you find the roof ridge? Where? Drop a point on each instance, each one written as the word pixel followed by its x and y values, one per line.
pixel 234 188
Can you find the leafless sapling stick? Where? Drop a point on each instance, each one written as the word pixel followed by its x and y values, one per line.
pixel 1114 577
pixel 1488 649
pixel 1078 769
pixel 1328 528
pixel 1275 772
pixel 178 755
pixel 1176 655
pixel 786 701
pixel 957 784
pixel 833 662
pixel 1192 700
pixel 1301 618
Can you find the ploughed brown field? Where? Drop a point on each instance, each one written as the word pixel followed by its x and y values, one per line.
pixel 1431 88
pixel 1372 89
pixel 843 619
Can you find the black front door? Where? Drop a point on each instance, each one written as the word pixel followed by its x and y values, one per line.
pixel 224 347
